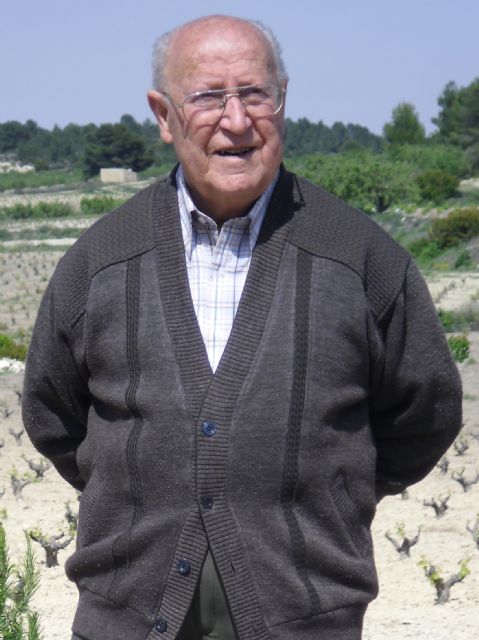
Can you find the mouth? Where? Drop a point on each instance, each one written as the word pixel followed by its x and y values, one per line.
pixel 240 151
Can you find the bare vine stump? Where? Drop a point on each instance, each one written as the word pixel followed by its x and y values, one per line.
pixel 403 547
pixel 440 505
pixel 466 484
pixel 51 544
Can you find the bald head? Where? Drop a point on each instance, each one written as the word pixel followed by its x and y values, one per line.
pixel 219 96
pixel 172 44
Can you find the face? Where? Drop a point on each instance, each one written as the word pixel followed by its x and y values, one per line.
pixel 227 165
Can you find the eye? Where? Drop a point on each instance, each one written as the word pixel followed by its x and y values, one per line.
pixel 206 100
pixel 255 94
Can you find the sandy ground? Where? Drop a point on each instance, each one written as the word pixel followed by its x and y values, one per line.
pixel 405 608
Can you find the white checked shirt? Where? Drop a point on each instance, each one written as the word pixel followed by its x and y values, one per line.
pixel 217 264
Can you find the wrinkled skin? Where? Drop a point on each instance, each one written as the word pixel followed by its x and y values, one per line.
pixel 214 53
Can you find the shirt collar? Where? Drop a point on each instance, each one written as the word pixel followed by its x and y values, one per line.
pixel 187 207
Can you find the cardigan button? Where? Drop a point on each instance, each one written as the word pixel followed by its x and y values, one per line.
pixel 161 625
pixel 207 502
pixel 209 429
pixel 183 566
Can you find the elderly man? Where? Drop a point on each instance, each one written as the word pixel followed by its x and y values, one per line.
pixel 233 367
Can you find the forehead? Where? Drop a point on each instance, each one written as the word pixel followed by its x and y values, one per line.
pixel 217 54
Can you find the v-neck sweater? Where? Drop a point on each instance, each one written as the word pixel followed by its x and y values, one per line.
pixel 335 388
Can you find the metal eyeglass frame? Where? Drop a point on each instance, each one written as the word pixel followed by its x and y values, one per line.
pixel 229 92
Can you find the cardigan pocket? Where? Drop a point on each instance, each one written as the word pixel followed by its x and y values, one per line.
pixel 92 564
pixel 348 511
pixel 88 503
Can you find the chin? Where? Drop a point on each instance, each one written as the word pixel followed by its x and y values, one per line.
pixel 246 185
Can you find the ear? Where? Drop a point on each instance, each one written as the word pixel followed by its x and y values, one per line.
pixel 160 108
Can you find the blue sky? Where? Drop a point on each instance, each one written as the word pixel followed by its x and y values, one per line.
pixel 348 60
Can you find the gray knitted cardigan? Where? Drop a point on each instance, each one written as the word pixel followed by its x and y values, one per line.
pixel 336 387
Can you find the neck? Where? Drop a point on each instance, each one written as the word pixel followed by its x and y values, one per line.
pixel 222 209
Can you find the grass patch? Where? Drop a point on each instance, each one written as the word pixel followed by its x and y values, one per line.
pixel 98 205
pixel 156 171
pixel 11 349
pixel 39 211
pixel 33 180
pixel 43 232
pixel 459 346
pixel 466 319
pixel 94 206
pixel 34 248
pixel 458 226
pixel 430 257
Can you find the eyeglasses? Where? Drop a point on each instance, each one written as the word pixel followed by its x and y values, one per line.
pixel 207 107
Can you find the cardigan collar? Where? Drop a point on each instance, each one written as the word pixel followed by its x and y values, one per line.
pixel 243 343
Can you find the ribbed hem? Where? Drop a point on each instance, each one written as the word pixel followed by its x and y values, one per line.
pixel 97 618
pixel 340 624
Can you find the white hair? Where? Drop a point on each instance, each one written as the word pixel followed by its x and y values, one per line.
pixel 163 43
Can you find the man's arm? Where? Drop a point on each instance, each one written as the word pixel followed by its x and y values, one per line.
pixel 55 397
pixel 416 407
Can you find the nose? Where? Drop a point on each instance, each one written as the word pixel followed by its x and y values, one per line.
pixel 235 116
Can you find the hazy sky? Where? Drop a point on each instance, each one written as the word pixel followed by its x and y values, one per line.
pixel 348 60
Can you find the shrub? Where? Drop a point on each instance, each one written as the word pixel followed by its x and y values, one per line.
pixel 99 204
pixel 17 622
pixel 424 248
pixel 42 232
pixel 460 225
pixel 157 170
pixel 365 180
pixel 427 157
pixel 463 320
pixel 10 349
pixel 16 180
pixel 447 319
pixel 36 211
pixel 436 185
pixel 464 260
pixel 459 346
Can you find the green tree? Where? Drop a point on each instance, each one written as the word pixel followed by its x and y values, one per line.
pixel 458 118
pixel 130 122
pixel 405 127
pixel 304 137
pixel 435 157
pixel 436 185
pixel 12 134
pixel 115 145
pixel 448 121
pixel 163 154
pixel 364 179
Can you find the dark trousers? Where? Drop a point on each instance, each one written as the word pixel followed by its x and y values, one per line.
pixel 208 617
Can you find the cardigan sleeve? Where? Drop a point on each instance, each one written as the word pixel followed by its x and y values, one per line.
pixel 55 398
pixel 416 405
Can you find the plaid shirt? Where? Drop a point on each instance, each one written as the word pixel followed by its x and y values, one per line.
pixel 217 264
